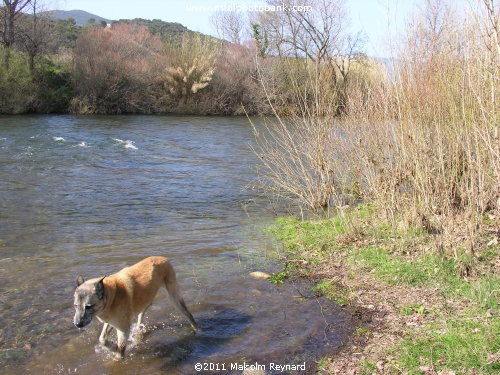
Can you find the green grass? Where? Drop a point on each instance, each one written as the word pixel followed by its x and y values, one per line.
pixel 459 345
pixel 414 309
pixel 330 291
pixel 362 331
pixel 428 270
pixel 463 340
pixel 370 367
pixel 392 268
pixel 278 278
pixel 322 364
pixel 306 235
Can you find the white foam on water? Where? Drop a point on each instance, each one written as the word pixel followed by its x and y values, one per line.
pixel 130 144
pixel 59 139
pixel 136 334
pixel 106 352
pixel 3 139
pixel 83 144
pixel 127 144
pixel 28 153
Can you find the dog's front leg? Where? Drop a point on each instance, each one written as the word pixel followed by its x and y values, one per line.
pixel 122 343
pixel 104 334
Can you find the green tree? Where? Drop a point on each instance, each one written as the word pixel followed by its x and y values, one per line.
pixel 261 41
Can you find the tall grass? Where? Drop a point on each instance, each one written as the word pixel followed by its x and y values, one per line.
pixel 420 142
pixel 443 168
pixel 304 149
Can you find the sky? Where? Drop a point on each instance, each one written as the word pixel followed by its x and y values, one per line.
pixel 375 18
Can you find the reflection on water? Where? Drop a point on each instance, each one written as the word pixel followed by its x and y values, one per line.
pixel 90 195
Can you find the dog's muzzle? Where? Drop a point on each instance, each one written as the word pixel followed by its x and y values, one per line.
pixel 81 320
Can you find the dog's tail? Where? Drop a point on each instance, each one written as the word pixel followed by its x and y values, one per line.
pixel 176 297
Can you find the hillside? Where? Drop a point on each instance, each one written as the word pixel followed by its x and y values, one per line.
pixel 81 17
pixel 170 32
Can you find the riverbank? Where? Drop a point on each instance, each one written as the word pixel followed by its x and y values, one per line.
pixel 419 313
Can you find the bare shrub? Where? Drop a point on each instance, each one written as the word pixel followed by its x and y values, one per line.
pixel 447 115
pixel 296 162
pixel 421 142
pixel 429 155
pixel 117 70
pixel 235 88
pixel 306 91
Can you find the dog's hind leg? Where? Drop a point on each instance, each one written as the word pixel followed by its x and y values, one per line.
pixel 141 315
pixel 104 334
pixel 175 296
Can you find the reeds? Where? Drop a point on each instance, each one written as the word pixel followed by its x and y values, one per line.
pixel 420 142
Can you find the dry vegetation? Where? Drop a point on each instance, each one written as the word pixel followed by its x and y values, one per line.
pixel 419 146
pixel 115 71
pixel 422 144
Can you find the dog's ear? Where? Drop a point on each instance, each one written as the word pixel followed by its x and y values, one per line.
pixel 99 288
pixel 79 280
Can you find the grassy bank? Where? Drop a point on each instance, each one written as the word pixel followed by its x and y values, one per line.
pixel 419 313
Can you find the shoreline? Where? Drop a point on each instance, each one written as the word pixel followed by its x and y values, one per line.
pixel 418 314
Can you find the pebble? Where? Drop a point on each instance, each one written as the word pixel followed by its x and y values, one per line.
pixel 493 242
pixel 259 275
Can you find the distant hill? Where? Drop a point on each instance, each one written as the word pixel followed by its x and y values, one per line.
pixel 81 17
pixel 156 26
pixel 170 32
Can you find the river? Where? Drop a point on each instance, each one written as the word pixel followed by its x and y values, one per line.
pixel 90 195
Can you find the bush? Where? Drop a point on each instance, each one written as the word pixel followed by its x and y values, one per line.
pixel 117 70
pixel 16 86
pixel 234 88
pixel 54 89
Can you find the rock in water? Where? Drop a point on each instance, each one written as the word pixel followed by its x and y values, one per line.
pixel 259 275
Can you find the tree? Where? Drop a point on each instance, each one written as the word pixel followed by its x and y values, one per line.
pixel 11 11
pixel 316 33
pixel 229 25
pixel 260 38
pixel 33 33
pixel 64 34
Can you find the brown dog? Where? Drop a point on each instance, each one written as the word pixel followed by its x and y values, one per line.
pixel 117 299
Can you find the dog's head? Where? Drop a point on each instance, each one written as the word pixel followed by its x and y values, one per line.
pixel 88 300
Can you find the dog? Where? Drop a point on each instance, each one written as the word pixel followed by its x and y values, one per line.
pixel 117 299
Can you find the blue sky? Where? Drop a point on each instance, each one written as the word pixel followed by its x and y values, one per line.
pixel 373 17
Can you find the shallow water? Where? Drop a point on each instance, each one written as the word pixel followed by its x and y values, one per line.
pixel 90 195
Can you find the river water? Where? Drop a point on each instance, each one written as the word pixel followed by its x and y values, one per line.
pixel 90 195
